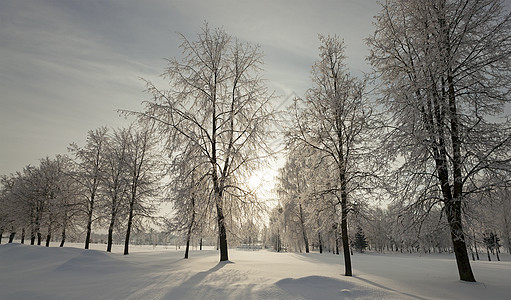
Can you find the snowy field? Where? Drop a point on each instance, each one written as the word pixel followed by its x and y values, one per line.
pixel 35 272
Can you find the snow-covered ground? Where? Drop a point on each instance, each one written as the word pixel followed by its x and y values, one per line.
pixel 35 272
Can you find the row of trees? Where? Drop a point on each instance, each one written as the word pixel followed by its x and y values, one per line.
pixel 110 180
pixel 392 229
pixel 430 137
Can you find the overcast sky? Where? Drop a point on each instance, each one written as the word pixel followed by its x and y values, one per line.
pixel 67 66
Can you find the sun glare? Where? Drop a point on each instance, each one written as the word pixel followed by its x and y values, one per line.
pixel 254 181
pixel 262 182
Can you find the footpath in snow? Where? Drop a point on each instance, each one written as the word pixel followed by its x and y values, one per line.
pixel 35 272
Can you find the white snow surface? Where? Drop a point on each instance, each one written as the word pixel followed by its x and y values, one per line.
pixel 36 272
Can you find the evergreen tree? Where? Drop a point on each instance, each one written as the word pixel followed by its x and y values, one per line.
pixel 360 242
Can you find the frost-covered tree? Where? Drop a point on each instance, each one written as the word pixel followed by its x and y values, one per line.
pixel 217 102
pixel 190 194
pixel 292 189
pixel 20 204
pixel 334 119
pixel 58 190
pixel 445 73
pixel 115 181
pixel 89 173
pixel 142 170
pixel 68 198
pixel 37 197
pixel 8 207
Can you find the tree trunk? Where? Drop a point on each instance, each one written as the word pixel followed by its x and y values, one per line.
pixel 32 236
pixel 475 246
pixel 506 234
pixel 110 233
pixel 304 232
pixel 1 235
pixel 320 242
pixel 222 233
pixel 344 230
pixel 23 235
pixel 345 239
pixel 189 231
pixel 48 236
pixel 89 222
pixel 11 236
pixel 38 228
pixel 458 240
pixel 63 236
pixel 128 229
pixel 336 243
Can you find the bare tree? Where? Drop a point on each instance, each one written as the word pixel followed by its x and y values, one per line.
pixel 89 172
pixel 142 170
pixel 115 179
pixel 19 194
pixel 56 189
pixel 219 104
pixel 190 193
pixel 69 198
pixel 444 67
pixel 334 119
pixel 293 190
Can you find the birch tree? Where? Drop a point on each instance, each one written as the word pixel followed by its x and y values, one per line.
pixel 218 102
pixel 115 179
pixel 142 169
pixel 333 119
pixel 294 192
pixel 445 73
pixel 190 193
pixel 89 173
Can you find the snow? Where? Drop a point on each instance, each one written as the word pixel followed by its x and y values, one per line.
pixel 36 272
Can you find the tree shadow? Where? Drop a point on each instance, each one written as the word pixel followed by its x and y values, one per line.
pixel 387 288
pixel 180 291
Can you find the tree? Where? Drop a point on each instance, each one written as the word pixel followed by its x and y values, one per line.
pixel 20 196
pixel 142 168
pixel 218 103
pixel 10 216
pixel 334 118
pixel 89 172
pixel 69 198
pixel 56 189
pixel 360 242
pixel 115 179
pixel 36 195
pixel 292 190
pixel 492 242
pixel 444 70
pixel 190 193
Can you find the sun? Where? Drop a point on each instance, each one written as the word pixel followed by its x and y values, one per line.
pixel 262 182
pixel 254 181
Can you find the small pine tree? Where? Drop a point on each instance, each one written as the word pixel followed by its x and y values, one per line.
pixel 360 240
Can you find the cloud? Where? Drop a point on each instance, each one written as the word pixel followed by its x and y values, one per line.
pixel 66 66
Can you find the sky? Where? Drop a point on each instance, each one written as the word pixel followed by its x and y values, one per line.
pixel 66 67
